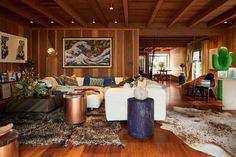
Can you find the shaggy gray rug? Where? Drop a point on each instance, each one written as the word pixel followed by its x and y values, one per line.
pixel 212 133
pixel 39 129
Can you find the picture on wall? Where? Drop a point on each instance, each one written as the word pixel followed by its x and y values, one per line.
pixel 13 48
pixel 87 52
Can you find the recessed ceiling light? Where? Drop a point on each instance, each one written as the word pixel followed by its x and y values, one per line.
pixel 31 21
pixel 72 21
pixel 115 21
pixel 225 22
pixel 111 7
pixel 93 21
pixel 51 21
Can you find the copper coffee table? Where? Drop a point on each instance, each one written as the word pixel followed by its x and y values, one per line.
pixel 75 106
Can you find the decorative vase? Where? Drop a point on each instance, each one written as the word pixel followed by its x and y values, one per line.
pixel 140 93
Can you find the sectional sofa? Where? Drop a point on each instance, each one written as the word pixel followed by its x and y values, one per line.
pixel 115 95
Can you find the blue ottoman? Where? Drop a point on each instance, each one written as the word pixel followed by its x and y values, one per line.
pixel 140 117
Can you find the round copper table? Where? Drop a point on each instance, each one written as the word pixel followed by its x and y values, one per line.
pixel 75 106
pixel 9 144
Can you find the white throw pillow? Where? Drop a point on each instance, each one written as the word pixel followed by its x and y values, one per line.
pixel 80 81
pixel 126 85
pixel 119 79
pixel 142 83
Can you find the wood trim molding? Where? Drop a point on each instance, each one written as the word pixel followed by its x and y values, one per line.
pixel 71 12
pixel 154 13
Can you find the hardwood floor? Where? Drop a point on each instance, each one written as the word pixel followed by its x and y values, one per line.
pixel 162 144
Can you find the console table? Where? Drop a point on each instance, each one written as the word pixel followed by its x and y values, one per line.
pixel 34 104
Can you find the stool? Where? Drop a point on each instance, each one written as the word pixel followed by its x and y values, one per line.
pixel 140 117
pixel 9 144
pixel 75 106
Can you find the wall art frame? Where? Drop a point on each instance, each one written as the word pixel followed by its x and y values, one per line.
pixel 87 52
pixel 13 48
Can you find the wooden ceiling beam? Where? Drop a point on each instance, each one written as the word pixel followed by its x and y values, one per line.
pixel 231 24
pixel 125 6
pixel 40 8
pixel 206 12
pixel 71 12
pixel 177 16
pixel 15 8
pixel 98 11
pixel 154 13
pixel 223 17
pixel 15 19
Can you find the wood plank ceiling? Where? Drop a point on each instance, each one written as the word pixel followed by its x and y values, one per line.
pixel 125 14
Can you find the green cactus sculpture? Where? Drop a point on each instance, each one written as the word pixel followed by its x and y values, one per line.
pixel 222 62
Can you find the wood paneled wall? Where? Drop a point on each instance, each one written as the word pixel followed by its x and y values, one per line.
pixel 125 51
pixel 15 29
pixel 231 42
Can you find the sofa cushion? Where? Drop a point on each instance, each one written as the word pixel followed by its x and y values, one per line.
pixel 70 81
pixel 118 80
pixel 109 81
pixel 52 81
pixel 60 79
pixel 127 80
pixel 80 81
pixel 86 81
pixel 96 82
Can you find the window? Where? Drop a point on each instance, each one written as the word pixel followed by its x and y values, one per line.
pixel 142 64
pixel 196 55
pixel 196 64
pixel 156 61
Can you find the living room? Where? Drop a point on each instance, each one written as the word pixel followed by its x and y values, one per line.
pixel 135 28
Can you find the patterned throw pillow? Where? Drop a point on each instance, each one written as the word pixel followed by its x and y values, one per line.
pixel 60 79
pixel 70 81
pixel 96 82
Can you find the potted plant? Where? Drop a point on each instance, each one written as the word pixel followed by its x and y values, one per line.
pixel 28 86
pixel 161 65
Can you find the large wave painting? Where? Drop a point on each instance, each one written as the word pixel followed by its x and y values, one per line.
pixel 87 52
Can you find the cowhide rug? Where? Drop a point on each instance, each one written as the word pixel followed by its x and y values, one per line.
pixel 212 133
pixel 40 129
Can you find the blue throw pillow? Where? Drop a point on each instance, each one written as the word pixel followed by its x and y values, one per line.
pixel 109 81
pixel 86 81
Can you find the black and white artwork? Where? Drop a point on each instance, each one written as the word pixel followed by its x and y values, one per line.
pixel 13 48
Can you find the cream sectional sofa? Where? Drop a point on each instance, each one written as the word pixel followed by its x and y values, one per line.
pixel 93 100
pixel 116 101
pixel 116 98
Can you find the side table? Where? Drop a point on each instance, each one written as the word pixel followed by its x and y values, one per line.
pixel 9 146
pixel 140 117
pixel 75 106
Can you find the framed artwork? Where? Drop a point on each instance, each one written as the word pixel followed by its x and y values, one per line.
pixel 87 52
pixel 211 52
pixel 13 48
